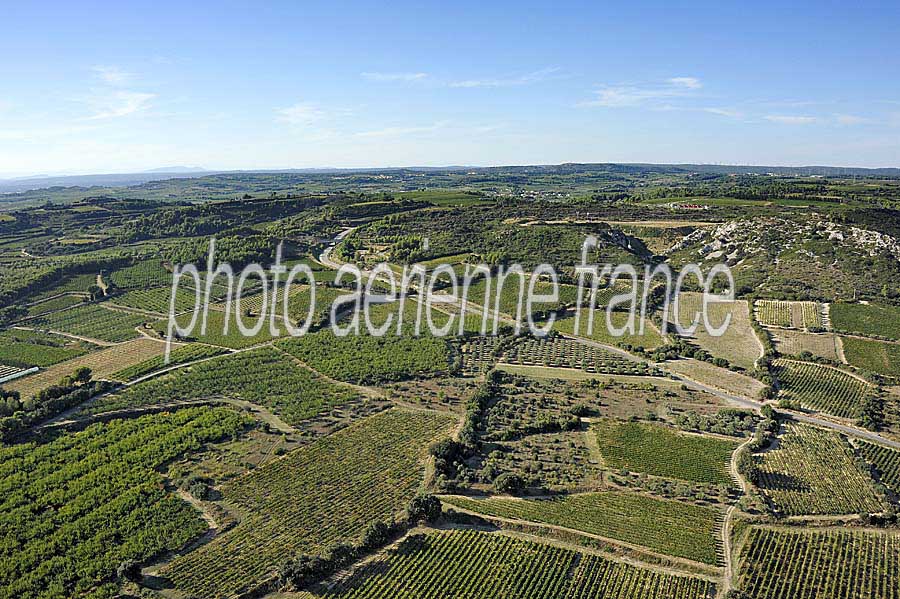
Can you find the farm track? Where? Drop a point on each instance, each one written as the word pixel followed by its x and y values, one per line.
pixel 71 336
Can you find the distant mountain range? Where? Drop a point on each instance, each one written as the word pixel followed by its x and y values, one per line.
pixel 23 184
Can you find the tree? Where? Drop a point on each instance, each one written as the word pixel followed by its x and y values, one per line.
pixel 423 507
pixel 129 570
pixel 508 483
pixel 83 375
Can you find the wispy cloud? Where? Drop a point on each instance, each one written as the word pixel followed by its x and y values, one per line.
pixel 119 103
pixel 301 114
pixel 112 75
pixel 790 119
pixel 394 76
pixel 727 112
pixel 685 82
pixel 851 119
pixel 402 131
pixel 620 96
pixel 526 79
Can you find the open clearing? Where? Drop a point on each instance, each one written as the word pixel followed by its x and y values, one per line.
pixel 738 344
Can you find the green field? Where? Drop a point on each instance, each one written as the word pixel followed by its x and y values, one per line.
pixel 600 332
pixel 264 376
pixel 92 321
pixel 179 355
pixel 326 492
pixel 813 472
pixel 886 462
pixel 822 388
pixel 669 527
pixel 874 356
pixel 215 329
pixel 157 300
pixel 480 565
pixel 52 305
pixel 367 359
pixel 831 564
pixel 659 451
pixel 32 348
pixel 872 320
pixel 86 502
pixel 143 275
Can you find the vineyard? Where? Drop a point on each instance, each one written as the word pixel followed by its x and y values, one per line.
pixel 739 344
pixel 93 321
pixel 143 275
pixel 53 305
pixel 31 348
pixel 793 343
pixel 567 353
pixel 367 359
pixel 480 565
pixel 814 472
pixel 874 356
pixel 215 329
pixel 796 315
pixel 103 364
pixel 871 320
pixel 78 284
pixel 822 388
pixel 509 296
pixel 157 300
pixel 263 376
pixel 326 492
pixel 87 502
pixel 832 564
pixel 670 527
pixel 600 331
pixel 656 450
pixel 886 461
pixel 179 355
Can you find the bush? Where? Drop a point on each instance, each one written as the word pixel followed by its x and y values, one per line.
pixel 509 483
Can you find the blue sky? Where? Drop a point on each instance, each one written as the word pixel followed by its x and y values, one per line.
pixel 116 87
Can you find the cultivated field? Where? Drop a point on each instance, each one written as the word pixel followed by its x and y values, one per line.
pixel 558 352
pixel 157 300
pixel 821 387
pixel 874 356
pixel 813 472
pixel 670 527
pixel 481 565
pixel 263 376
pixel 659 451
pixel 886 462
pixel 33 348
pixel 829 564
pixel 143 275
pixel 794 343
pixel 600 332
pixel 324 493
pixel 92 321
pixel 872 320
pixel 796 315
pixel 180 354
pixel 104 364
pixel 718 378
pixel 104 486
pixel 367 359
